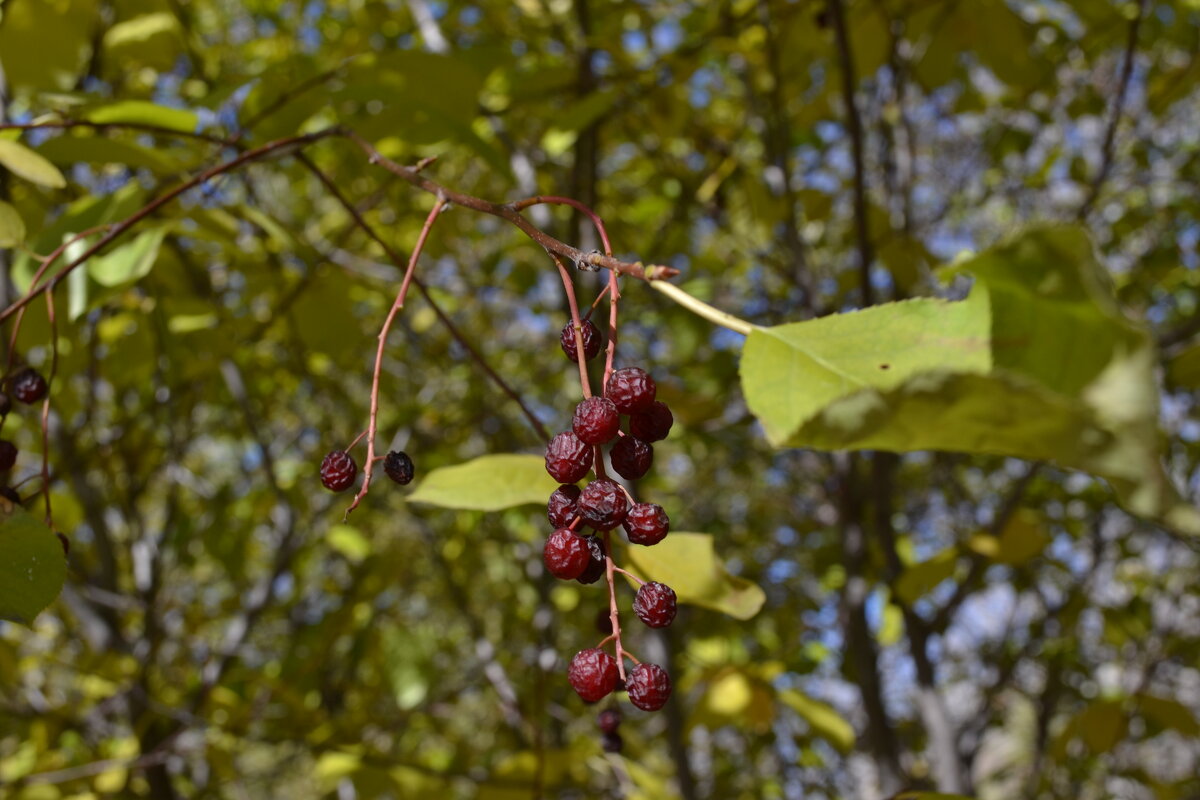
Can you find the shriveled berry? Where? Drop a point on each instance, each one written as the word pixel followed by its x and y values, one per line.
pixel 561 506
pixel 568 459
pixel 8 454
pixel 593 674
pixel 631 457
pixel 596 566
pixel 655 604
pixel 646 523
pixel 596 420
pixel 566 555
pixel 28 385
pixel 592 340
pixel 5 404
pixel 611 742
pixel 610 720
pixel 654 424
pixel 603 504
pixel 338 471
pixel 9 493
pixel 631 389
pixel 399 467
pixel 649 686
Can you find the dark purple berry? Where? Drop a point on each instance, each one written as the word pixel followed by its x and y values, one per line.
pixel 338 471
pixel 28 386
pixel 603 622
pixel 652 425
pixel 8 454
pixel 597 566
pixel 399 467
pixel 655 604
pixel 603 504
pixel 593 674
pixel 631 457
pixel 649 687
pixel 646 523
pixel 5 404
pixel 596 420
pixel 10 494
pixel 611 742
pixel 568 459
pixel 566 555
pixel 610 720
pixel 631 389
pixel 561 507
pixel 592 340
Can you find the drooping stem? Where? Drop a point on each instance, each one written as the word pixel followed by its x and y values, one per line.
pixel 521 205
pixel 576 325
pixel 704 310
pixel 46 406
pixel 613 615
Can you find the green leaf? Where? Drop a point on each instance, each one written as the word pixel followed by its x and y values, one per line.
pixel 45 44
pixel 1170 714
pixel 12 227
pixel 102 150
pixel 1038 362
pixel 141 112
pixel 32 566
pixel 152 40
pixel 1023 538
pixel 487 483
pixel 25 163
pixel 823 718
pixel 688 564
pixel 349 541
pixel 128 263
pixel 919 579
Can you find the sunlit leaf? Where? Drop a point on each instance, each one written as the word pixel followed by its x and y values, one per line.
pixel 12 227
pixel 145 113
pixel 687 562
pixel 824 719
pixel 487 483
pixel 25 163
pixel 920 578
pixel 127 263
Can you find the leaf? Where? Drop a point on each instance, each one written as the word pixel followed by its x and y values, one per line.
pixel 101 150
pixel 1023 538
pixel 128 263
pixel 688 564
pixel 32 566
pixel 25 163
pixel 349 541
pixel 823 718
pixel 141 112
pixel 45 44
pixel 920 579
pixel 1169 713
pixel 12 227
pixel 1038 362
pixel 487 483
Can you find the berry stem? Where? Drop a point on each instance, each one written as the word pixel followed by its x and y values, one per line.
pixel 613 615
pixel 521 205
pixel 576 325
pixel 369 467
pixel 614 294
pixel 357 439
pixel 46 407
pixel 630 575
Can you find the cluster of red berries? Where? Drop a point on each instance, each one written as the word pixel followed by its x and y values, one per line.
pixel 603 505
pixel 339 469
pixel 29 387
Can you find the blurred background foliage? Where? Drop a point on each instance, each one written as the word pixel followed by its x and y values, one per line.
pixel 973 624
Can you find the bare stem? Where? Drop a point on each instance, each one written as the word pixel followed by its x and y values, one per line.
pixel 46 406
pixel 703 309
pixel 613 615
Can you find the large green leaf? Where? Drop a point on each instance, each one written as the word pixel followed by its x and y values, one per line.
pixel 688 564
pixel 140 112
pixel 25 163
pixel 45 44
pixel 12 227
pixel 127 263
pixel 488 483
pixel 32 566
pixel 1038 362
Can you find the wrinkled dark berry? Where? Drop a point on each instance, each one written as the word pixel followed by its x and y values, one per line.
pixel 10 493
pixel 649 687
pixel 596 420
pixel 561 506
pixel 597 566
pixel 603 504
pixel 655 604
pixel 338 471
pixel 28 385
pixel 646 523
pixel 66 544
pixel 592 340
pixel 568 459
pixel 631 457
pixel 8 454
pixel 593 674
pixel 631 389
pixel 610 720
pixel 652 425
pixel 611 742
pixel 603 622
pixel 566 555
pixel 399 467
pixel 5 404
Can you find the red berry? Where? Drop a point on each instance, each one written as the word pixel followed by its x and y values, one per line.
pixel 566 555
pixel 603 504
pixel 8 454
pixel 631 457
pixel 338 471
pixel 597 566
pixel 649 687
pixel 561 506
pixel 28 386
pixel 646 523
pixel 610 720
pixel 592 340
pixel 596 420
pixel 568 459
pixel 652 425
pixel 631 389
pixel 655 604
pixel 399 467
pixel 593 674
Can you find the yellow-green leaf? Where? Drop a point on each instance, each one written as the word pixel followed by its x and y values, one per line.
pixel 128 263
pixel 920 578
pixel 1023 538
pixel 141 112
pixel 488 483
pixel 823 718
pixel 12 227
pixel 32 566
pixel 25 163
pixel 688 564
